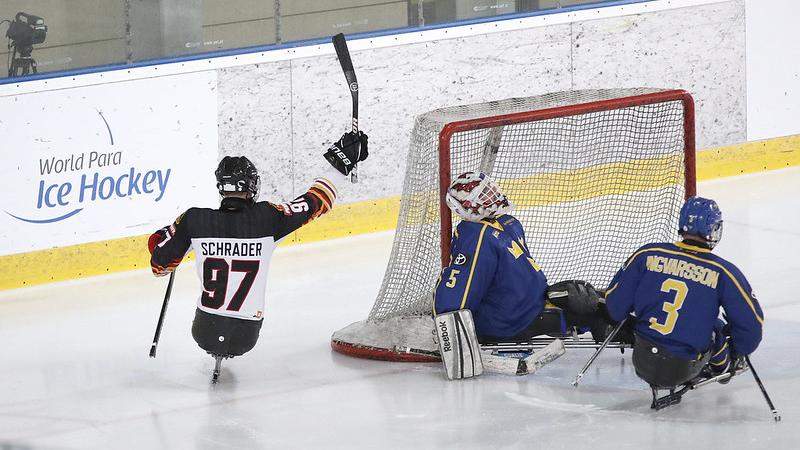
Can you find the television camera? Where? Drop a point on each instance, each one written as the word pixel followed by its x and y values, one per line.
pixel 25 31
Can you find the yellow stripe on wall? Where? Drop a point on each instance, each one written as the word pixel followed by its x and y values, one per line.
pixel 74 261
pixel 751 157
pixel 117 255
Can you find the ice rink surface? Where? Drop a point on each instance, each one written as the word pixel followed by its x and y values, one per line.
pixel 76 373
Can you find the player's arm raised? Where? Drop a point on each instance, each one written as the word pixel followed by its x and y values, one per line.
pixel 318 200
pixel 342 155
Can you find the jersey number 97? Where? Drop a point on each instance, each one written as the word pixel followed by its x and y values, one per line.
pixel 215 282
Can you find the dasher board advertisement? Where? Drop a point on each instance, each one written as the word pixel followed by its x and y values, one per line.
pixel 105 161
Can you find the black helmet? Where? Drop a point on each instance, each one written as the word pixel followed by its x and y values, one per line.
pixel 237 174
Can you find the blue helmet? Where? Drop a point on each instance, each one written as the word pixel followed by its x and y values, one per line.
pixel 701 217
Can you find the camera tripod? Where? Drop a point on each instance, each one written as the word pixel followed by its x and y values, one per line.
pixel 21 65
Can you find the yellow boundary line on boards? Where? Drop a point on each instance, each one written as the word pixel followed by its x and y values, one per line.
pixel 97 258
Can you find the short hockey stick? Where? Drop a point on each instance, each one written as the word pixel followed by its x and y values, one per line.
pixel 597 353
pixel 775 414
pixel 161 317
pixel 340 44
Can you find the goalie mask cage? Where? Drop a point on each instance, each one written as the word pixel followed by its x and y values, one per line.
pixel 593 175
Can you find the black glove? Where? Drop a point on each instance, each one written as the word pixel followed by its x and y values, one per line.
pixel 348 151
pixel 736 364
pixel 575 296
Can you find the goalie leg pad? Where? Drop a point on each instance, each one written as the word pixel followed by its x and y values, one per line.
pixel 458 345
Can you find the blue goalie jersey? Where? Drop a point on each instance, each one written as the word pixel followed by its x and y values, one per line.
pixel 492 274
pixel 676 290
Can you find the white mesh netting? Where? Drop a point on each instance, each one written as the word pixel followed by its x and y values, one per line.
pixel 590 186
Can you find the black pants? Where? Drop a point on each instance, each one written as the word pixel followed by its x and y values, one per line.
pixel 226 336
pixel 659 368
pixel 549 322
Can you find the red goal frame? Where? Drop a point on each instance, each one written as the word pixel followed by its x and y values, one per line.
pixel 358 339
pixel 451 128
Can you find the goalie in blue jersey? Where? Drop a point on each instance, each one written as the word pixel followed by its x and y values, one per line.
pixel 493 290
pixel 675 291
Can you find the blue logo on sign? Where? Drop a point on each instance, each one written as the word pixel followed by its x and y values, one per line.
pixel 92 185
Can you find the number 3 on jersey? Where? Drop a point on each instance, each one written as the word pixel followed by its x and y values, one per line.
pixel 215 282
pixel 671 308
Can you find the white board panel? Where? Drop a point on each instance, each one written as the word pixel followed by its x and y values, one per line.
pixel 105 161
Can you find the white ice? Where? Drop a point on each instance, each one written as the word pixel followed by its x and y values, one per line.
pixel 75 371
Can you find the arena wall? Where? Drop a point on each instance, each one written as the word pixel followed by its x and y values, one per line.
pixel 282 108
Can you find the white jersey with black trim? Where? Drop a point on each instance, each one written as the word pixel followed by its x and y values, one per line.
pixel 234 245
pixel 234 275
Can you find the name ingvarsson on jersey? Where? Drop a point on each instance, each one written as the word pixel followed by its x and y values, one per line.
pixel 683 269
pixel 230 248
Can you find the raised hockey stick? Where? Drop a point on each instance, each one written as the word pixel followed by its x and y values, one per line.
pixel 597 353
pixel 161 316
pixel 775 414
pixel 340 44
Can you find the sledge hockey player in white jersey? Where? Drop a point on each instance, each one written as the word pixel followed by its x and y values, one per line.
pixel 234 244
pixel 493 289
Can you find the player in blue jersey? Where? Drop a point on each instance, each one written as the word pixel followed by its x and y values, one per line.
pixel 675 291
pixel 492 276
pixel 491 271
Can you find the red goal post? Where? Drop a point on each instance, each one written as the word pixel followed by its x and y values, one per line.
pixel 594 174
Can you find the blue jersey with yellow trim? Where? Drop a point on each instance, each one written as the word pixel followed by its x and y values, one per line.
pixel 676 290
pixel 492 274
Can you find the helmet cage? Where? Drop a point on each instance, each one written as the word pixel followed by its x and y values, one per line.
pixel 474 197
pixel 714 235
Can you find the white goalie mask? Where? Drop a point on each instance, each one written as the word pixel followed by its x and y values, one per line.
pixel 474 197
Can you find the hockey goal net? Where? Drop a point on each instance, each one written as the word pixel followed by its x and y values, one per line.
pixel 594 174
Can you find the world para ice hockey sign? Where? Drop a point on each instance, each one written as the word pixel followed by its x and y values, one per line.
pixel 93 179
pixel 107 161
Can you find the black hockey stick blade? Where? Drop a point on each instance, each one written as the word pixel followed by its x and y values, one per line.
pixel 342 52
pixel 156 337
